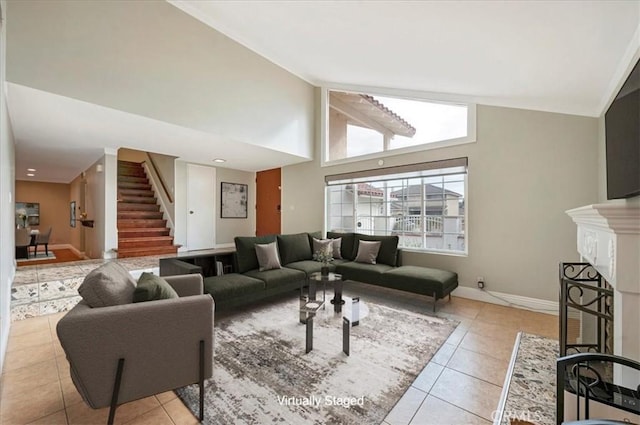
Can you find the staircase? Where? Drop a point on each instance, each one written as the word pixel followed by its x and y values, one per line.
pixel 141 228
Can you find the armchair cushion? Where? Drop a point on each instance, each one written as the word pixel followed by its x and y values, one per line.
pixel 108 285
pixel 151 287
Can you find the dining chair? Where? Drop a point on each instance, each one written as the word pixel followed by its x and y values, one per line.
pixel 42 239
pixel 23 239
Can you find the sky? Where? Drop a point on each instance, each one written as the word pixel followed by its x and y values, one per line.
pixel 433 122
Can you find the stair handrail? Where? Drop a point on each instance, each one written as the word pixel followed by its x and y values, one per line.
pixel 158 187
pixel 155 169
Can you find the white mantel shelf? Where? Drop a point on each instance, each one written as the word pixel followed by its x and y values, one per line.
pixel 620 218
pixel 609 239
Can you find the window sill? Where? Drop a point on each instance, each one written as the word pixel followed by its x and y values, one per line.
pixel 430 251
pixel 400 151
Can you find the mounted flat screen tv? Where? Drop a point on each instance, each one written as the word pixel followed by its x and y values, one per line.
pixel 622 129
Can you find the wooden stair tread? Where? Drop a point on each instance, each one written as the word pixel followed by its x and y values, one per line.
pixel 137 199
pixel 142 232
pixel 141 222
pixel 140 214
pixel 137 192
pixel 137 206
pixel 146 238
pixel 133 185
pixel 141 229
pixel 139 252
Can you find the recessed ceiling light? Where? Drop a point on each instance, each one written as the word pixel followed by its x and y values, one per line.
pixel 30 174
pixel 219 160
pixel 31 169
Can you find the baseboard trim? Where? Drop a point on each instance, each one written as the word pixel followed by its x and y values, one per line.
pixel 77 252
pixel 500 298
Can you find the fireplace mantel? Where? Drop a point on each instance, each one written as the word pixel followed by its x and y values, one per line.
pixel 609 239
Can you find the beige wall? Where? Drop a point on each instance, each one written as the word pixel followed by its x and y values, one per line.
pixel 525 170
pixel 228 228
pixel 131 155
pixel 54 207
pixel 149 58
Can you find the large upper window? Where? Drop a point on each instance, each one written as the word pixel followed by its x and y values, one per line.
pixel 360 124
pixel 424 204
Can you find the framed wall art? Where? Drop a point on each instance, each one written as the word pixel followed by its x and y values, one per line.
pixel 233 201
pixel 72 214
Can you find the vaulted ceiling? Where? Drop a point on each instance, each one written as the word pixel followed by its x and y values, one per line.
pixel 558 56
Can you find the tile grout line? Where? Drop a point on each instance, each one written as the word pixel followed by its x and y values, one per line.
pixel 461 408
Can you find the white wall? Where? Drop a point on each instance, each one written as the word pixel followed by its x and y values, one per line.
pixel 153 60
pixel 526 169
pixel 7 179
pixel 180 204
pixel 226 229
pixel 101 206
pixel 110 171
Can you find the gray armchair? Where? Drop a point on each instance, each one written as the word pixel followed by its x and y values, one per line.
pixel 127 352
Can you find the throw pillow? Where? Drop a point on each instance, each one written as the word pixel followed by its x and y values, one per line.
pixel 322 245
pixel 110 284
pixel 368 252
pixel 337 246
pixel 268 258
pixel 151 287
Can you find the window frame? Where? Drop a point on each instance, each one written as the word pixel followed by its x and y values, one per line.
pixel 465 217
pixel 400 94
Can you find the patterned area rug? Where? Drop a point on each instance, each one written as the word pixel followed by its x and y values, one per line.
pixel 39 256
pixel 262 375
pixel 531 391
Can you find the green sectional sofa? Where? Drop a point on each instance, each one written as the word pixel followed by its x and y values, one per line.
pixel 249 284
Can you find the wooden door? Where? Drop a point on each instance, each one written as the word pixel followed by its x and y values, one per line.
pixel 268 202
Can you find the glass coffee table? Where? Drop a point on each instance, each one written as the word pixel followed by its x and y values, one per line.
pixel 336 279
pixel 311 305
pixel 308 310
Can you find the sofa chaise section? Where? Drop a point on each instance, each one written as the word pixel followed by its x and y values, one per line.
pixel 295 252
pixel 421 280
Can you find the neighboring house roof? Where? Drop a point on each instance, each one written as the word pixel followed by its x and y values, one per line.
pixel 366 111
pixel 367 189
pixel 415 191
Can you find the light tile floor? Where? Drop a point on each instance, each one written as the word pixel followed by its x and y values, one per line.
pixel 461 385
pixel 463 382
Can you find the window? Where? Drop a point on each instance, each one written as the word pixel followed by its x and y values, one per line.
pixel 365 125
pixel 423 204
